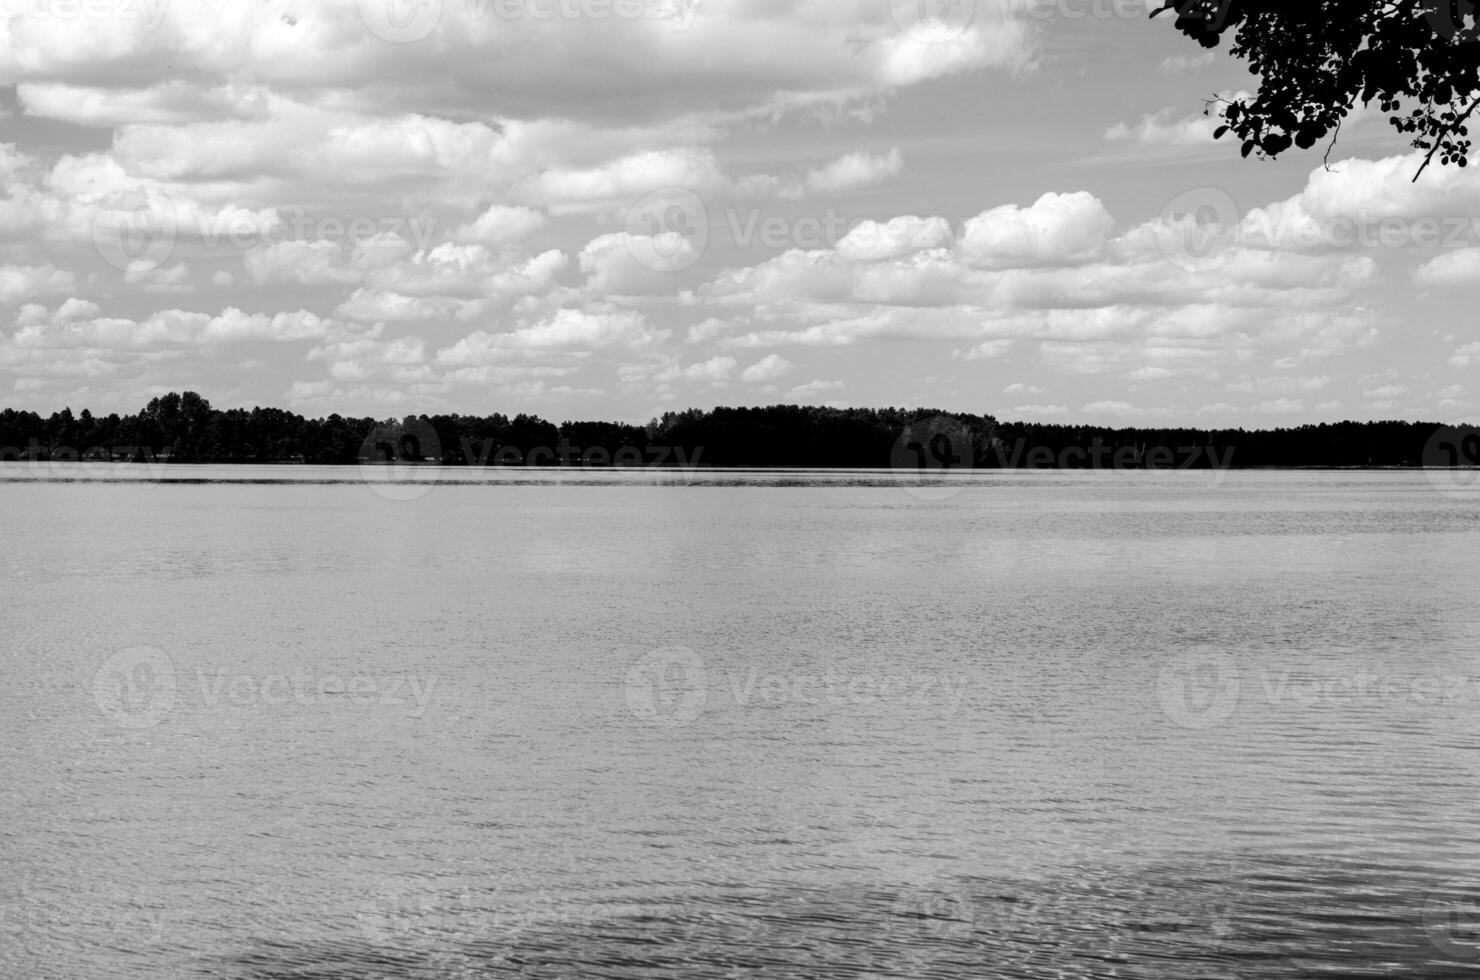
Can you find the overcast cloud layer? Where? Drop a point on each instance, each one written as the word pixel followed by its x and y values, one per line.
pixel 611 208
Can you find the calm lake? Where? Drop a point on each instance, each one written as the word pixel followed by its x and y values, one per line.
pixel 276 722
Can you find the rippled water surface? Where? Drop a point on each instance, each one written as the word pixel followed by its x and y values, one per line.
pixel 738 725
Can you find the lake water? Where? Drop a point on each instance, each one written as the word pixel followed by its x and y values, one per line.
pixel 700 726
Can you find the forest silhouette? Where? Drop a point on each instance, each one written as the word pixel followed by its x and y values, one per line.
pixel 185 428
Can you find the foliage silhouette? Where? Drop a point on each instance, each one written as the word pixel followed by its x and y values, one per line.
pixel 1418 61
pixel 185 428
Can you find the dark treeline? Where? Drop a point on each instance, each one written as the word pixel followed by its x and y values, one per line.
pixel 1340 444
pixel 185 428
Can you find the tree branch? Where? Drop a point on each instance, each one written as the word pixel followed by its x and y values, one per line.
pixel 1439 139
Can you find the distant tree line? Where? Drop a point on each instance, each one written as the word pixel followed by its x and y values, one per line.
pixel 185 428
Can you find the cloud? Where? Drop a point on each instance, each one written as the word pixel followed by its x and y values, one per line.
pixel 988 349
pixel 1034 411
pixel 772 367
pixel 623 264
pixel 1112 408
pixel 171 102
pixel 1371 190
pixel 1051 272
pixel 374 305
pixel 79 325
pixel 500 226
pixel 370 357
pixel 1466 356
pixel 1277 384
pixel 21 282
pixel 1179 63
pixel 1280 406
pixel 716 370
pixel 1161 129
pixel 872 241
pixel 1457 268
pixel 1058 229
pixel 625 180
pixel 855 171
pixel 573 331
pixel 673 58
pixel 153 278
pixel 1166 128
pixel 813 390
pixel 302 262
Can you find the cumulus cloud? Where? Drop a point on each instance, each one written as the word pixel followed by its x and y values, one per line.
pixel 1163 129
pixel 625 264
pixel 589 65
pixel 814 390
pixel 545 200
pixel 377 305
pixel 1057 228
pixel 21 282
pixel 855 171
pixel 871 241
pixel 1460 267
pixel 772 367
pixel 1179 63
pixel 571 331
pixel 501 225
pixel 166 103
pixel 1466 356
pixel 625 180
pixel 1111 408
pixel 715 371
pixel 78 324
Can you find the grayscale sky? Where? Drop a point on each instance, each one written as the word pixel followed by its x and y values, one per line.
pixel 613 208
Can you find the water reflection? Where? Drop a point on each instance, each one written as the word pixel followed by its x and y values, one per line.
pixel 1245 920
pixel 1114 728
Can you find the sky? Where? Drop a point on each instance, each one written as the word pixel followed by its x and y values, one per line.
pixel 615 208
